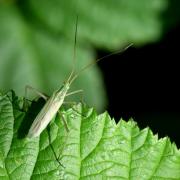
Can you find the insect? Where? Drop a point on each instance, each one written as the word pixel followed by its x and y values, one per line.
pixel 56 100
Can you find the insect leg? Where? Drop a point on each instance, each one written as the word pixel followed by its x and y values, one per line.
pixel 78 113
pixel 25 105
pixel 74 92
pixel 64 121
pixel 45 97
pixel 50 144
pixel 70 102
pixel 73 102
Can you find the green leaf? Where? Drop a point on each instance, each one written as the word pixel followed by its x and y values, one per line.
pixel 107 23
pixel 94 148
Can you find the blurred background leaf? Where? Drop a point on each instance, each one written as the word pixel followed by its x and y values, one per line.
pixel 36 40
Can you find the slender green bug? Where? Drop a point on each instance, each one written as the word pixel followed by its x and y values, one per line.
pixel 56 100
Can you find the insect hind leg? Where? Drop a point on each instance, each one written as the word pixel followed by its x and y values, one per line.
pixel 51 146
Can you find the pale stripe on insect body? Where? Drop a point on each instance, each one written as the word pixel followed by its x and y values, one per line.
pixel 48 111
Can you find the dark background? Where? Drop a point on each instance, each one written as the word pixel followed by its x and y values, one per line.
pixel 143 83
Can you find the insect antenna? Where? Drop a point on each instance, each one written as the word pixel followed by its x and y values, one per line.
pixel 74 52
pixel 97 60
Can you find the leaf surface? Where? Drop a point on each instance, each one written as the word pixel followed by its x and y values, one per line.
pixel 95 147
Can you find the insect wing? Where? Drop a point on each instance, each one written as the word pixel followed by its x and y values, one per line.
pixel 45 116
